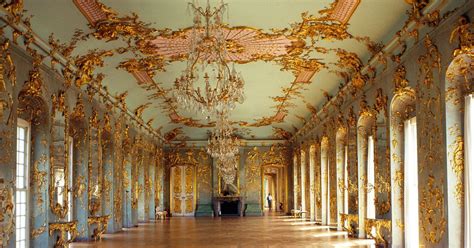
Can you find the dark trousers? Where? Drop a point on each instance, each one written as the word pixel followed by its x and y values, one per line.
pixel 269 204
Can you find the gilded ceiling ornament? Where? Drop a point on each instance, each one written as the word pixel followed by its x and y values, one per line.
pixel 244 44
pixel 139 110
pixel 15 8
pixel 173 134
pixel 87 63
pixel 120 99
pixel 149 64
pixel 281 133
pixel 342 10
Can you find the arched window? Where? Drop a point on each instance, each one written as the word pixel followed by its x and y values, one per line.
pixel 411 184
pixel 325 195
pixel 469 171
pixel 370 177
pixel 23 139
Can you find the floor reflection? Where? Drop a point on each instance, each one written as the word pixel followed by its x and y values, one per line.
pixel 268 231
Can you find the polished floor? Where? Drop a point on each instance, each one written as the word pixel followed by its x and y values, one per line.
pixel 229 232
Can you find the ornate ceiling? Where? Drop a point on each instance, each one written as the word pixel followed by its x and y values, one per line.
pixel 293 54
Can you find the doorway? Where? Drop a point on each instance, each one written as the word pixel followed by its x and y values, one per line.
pixel 183 186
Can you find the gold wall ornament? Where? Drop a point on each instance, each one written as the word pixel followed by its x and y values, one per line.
pixel 33 86
pixel 3 87
pixel 399 78
pixel 464 35
pixel 432 212
pixel 252 168
pixel 380 101
pixel 64 228
pixel 7 217
pixel 38 231
pixel 456 159
pixel 276 156
pixel 10 66
pixel 78 111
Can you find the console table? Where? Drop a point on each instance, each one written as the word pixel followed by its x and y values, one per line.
pixel 218 200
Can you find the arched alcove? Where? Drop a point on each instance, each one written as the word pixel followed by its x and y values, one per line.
pixel 78 127
pixel 325 197
pixel 108 162
pixel 459 84
pixel 365 152
pixel 342 174
pixel 402 107
pixel 312 181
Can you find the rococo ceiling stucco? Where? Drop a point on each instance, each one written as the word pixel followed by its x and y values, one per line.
pixel 291 69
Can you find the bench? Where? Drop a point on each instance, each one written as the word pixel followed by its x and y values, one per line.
pixel 297 213
pixel 161 215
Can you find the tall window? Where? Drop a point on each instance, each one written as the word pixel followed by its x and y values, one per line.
pixel 469 171
pixel 370 178
pixel 411 184
pixel 328 190
pixel 21 195
pixel 346 181
pixel 70 182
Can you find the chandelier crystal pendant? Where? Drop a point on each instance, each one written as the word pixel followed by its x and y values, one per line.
pixel 208 84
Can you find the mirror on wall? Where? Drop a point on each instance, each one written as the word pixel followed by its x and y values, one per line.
pixel 233 188
pixel 95 167
pixel 60 159
pixel 382 166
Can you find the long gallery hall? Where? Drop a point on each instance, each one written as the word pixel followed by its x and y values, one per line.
pixel 236 123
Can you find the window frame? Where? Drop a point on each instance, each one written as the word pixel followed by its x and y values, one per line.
pixel 370 201
pixel 27 156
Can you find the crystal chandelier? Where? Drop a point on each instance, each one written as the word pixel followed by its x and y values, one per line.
pixel 223 146
pixel 208 84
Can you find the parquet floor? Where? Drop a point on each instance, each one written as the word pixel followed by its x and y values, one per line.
pixel 228 232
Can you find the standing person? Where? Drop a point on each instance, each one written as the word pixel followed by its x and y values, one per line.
pixel 269 200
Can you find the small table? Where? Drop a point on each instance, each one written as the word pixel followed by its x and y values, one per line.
pixel 101 222
pixel 63 228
